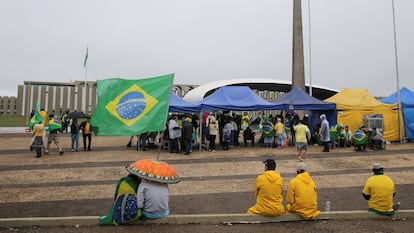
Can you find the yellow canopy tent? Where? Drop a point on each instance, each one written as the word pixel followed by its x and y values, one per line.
pixel 353 103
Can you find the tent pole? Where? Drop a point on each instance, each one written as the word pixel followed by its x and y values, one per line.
pixel 200 127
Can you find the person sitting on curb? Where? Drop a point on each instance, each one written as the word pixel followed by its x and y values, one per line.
pixel 268 191
pixel 137 198
pixel 124 208
pixel 302 196
pixel 379 191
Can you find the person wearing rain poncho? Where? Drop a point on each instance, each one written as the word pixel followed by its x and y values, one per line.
pixel 141 195
pixel 324 132
pixel 302 196
pixel 268 191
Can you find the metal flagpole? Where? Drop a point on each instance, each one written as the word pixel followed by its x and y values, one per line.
pixel 85 65
pixel 310 47
pixel 396 72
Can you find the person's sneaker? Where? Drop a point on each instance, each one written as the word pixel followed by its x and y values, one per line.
pixel 46 152
pixel 61 152
pixel 72 150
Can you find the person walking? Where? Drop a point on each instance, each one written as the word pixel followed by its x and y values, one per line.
pixel 302 136
pixel 54 129
pixel 86 133
pixel 268 191
pixel 74 135
pixel 302 195
pixel 379 190
pixel 325 134
pixel 37 140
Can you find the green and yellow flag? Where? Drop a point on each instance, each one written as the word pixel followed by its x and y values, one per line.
pixel 131 107
pixel 54 125
pixel 36 118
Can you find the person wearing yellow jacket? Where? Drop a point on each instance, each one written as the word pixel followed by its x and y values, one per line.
pixel 302 196
pixel 268 191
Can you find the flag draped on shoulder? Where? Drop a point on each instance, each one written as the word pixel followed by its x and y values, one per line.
pixel 37 117
pixel 54 125
pixel 131 107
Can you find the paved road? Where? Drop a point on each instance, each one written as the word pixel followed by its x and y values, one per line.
pixel 83 183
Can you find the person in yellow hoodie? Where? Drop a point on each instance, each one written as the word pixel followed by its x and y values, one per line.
pixel 268 191
pixel 302 196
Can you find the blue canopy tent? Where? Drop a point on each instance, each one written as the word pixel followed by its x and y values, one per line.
pixel 407 104
pixel 237 98
pixel 297 99
pixel 179 105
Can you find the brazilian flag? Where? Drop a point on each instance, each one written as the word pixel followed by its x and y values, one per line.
pixel 36 118
pixel 131 107
pixel 54 125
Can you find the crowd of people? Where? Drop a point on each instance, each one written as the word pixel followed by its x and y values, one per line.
pixel 225 130
pixel 136 198
pixel 47 131
pixel 222 129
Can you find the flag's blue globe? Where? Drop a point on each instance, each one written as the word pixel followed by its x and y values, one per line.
pixel 131 105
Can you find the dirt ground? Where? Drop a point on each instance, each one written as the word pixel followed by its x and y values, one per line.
pixel 82 184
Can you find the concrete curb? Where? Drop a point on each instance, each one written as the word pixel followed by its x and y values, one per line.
pixel 200 219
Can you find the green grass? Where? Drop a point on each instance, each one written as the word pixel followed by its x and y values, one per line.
pixel 13 121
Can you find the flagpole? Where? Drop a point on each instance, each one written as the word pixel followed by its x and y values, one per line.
pixel 396 72
pixel 310 47
pixel 85 65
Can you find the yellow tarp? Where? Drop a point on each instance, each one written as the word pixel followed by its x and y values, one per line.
pixel 353 103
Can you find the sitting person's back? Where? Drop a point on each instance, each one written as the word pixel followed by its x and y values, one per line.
pixel 302 196
pixel 268 191
pixel 153 199
pixel 124 208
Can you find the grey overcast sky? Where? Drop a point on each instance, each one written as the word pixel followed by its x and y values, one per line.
pixel 352 41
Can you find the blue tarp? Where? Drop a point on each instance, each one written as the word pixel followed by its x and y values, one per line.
pixel 407 103
pixel 297 99
pixel 179 105
pixel 236 98
pixel 406 96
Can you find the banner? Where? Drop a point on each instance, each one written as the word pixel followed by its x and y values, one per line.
pixel 131 107
pixel 37 117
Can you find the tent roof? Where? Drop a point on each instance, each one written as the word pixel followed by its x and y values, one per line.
pixel 238 98
pixel 202 91
pixel 355 98
pixel 297 99
pixel 179 105
pixel 406 96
